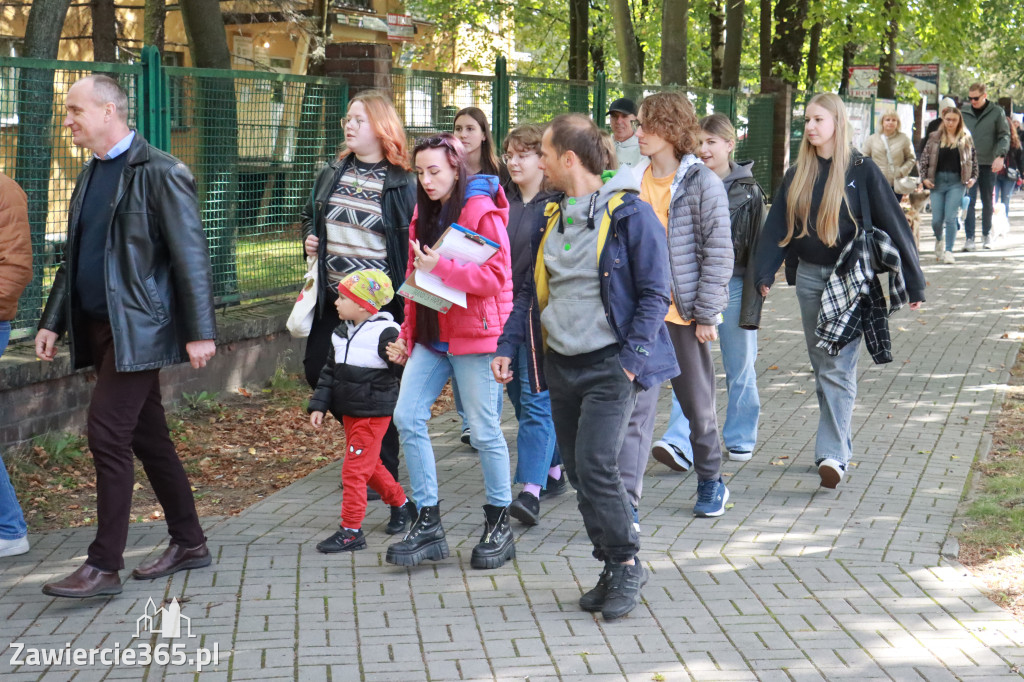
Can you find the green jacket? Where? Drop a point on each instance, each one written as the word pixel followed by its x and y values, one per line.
pixel 990 131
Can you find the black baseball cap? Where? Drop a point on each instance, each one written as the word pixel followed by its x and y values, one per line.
pixel 622 105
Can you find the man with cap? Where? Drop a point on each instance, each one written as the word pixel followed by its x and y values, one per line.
pixel 622 113
pixel 359 385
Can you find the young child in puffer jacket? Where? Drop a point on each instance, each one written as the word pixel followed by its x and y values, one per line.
pixel 359 385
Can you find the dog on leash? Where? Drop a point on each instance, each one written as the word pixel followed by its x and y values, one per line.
pixel 912 205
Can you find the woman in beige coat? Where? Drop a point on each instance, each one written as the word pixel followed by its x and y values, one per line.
pixel 898 159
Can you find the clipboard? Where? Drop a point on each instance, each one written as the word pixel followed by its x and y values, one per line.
pixel 458 243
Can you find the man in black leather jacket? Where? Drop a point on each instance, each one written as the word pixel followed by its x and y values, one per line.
pixel 135 295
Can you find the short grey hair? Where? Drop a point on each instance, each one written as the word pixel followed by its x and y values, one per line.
pixel 106 89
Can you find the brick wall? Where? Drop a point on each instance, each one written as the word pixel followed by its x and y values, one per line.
pixel 36 397
pixel 366 66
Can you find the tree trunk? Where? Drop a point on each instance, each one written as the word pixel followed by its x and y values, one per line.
pixel 579 40
pixel 674 18
pixel 850 50
pixel 716 32
pixel 104 31
pixel 35 107
pixel 813 55
pixel 788 41
pixel 625 41
pixel 887 62
pixel 765 40
pixel 217 118
pixel 153 24
pixel 734 19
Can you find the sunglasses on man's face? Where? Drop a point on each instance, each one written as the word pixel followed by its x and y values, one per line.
pixel 975 99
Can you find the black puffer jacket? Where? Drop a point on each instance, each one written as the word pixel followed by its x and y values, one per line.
pixel 398 200
pixel 157 269
pixel 349 389
pixel 746 215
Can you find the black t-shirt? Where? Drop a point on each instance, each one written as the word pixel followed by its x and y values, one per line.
pixel 93 225
pixel 949 160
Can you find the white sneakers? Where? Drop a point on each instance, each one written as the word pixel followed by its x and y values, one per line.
pixel 948 258
pixel 939 249
pixel 831 472
pixel 13 547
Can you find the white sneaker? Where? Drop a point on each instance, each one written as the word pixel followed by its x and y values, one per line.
pixel 938 249
pixel 831 472
pixel 986 242
pixel 969 245
pixel 948 258
pixel 13 547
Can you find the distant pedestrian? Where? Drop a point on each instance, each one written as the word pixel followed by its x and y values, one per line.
pixel 459 344
pixel 987 123
pixel 15 274
pixel 359 386
pixel 738 330
pixel 604 341
pixel 949 167
pixel 891 151
pixel 691 201
pixel 817 212
pixel 538 463
pixel 135 293
pixel 358 216
pixel 622 114
pixel 1009 178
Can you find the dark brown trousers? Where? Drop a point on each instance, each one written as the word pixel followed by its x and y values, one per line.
pixel 126 417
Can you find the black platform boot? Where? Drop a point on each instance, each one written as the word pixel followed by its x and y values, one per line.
pixel 425 540
pixel 496 545
pixel 400 517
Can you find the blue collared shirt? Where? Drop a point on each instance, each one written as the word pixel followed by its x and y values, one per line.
pixel 120 148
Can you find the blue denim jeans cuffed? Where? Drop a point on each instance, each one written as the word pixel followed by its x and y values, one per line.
pixel 536 448
pixel 12 521
pixel 1005 189
pixel 425 375
pixel 835 378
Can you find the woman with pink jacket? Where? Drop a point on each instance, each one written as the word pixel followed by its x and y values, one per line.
pixel 459 344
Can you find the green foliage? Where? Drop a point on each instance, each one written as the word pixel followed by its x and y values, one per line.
pixel 61 449
pixel 202 402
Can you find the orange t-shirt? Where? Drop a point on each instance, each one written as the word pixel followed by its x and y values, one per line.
pixel 658 193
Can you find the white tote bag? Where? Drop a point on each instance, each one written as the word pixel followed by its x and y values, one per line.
pixel 301 320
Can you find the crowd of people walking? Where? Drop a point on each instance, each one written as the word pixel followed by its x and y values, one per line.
pixel 618 260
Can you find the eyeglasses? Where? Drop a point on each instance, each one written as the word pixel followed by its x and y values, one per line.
pixel 517 157
pixel 637 125
pixel 352 119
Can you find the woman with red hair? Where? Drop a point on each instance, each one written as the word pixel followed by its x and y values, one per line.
pixel 357 218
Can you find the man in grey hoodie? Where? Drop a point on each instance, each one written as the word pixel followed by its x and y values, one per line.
pixel 987 122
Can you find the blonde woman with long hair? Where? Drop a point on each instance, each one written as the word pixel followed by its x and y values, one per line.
pixel 815 213
pixel 949 168
pixel 891 150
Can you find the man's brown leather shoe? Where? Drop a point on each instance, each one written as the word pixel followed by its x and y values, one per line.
pixel 85 582
pixel 175 558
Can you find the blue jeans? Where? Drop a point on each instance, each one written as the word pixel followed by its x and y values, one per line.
pixel 462 412
pixel 1004 191
pixel 739 352
pixel 426 373
pixel 535 439
pixel 947 198
pixel 12 521
pixel 835 378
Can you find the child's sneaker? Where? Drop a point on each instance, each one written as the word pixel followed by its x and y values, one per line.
pixel 344 540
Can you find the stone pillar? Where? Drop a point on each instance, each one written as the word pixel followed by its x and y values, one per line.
pixel 366 66
pixel 780 127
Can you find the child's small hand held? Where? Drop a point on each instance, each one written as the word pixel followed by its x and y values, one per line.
pixel 316 419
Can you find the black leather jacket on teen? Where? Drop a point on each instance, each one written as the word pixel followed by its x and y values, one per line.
pixel 158 276
pixel 746 215
pixel 398 199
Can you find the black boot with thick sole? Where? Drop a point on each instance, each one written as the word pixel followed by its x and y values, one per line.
pixel 425 540
pixel 496 545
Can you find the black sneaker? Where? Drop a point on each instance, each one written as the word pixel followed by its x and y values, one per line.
pixel 555 486
pixel 465 437
pixel 400 518
pixel 344 540
pixel 623 589
pixel 525 509
pixel 594 599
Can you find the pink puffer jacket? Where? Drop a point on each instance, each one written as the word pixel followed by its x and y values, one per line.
pixel 488 287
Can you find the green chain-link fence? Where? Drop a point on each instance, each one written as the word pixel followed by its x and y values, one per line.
pixel 36 150
pixel 253 140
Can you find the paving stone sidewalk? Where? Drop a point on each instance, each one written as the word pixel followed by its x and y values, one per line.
pixel 793 583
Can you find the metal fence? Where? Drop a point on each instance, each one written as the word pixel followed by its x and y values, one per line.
pixel 253 140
